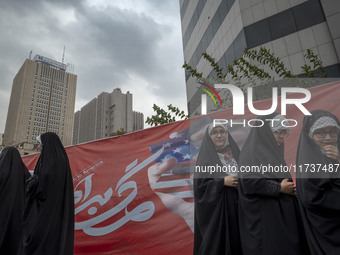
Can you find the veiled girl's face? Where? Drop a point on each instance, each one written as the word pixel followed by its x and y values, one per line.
pixel 219 137
pixel 326 136
pixel 39 147
pixel 280 135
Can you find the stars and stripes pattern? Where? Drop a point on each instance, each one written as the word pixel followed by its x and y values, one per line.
pixel 176 181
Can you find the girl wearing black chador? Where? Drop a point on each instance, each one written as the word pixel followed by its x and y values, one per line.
pixel 13 174
pixel 48 220
pixel 270 220
pixel 318 182
pixel 216 230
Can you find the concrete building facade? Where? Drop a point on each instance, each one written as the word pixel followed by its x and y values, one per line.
pixel 42 99
pixel 104 115
pixel 224 28
pixel 1 139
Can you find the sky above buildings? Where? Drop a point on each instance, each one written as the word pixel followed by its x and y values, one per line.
pixel 135 45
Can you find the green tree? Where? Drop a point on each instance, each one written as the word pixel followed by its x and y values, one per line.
pixel 118 132
pixel 162 116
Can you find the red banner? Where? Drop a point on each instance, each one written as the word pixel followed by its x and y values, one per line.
pixel 133 193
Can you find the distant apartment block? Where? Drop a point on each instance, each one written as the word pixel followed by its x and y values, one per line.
pixel 104 115
pixel 42 100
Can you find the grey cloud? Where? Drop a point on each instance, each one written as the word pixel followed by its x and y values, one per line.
pixel 106 46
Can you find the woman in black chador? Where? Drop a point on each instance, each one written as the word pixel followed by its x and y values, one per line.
pixel 319 190
pixel 216 219
pixel 49 215
pixel 270 220
pixel 13 174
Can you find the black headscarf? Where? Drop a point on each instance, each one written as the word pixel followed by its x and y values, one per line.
pixel 270 221
pixel 318 193
pixel 262 148
pixel 216 219
pixel 49 215
pixel 13 174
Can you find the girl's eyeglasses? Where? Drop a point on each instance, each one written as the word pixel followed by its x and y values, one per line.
pixel 322 133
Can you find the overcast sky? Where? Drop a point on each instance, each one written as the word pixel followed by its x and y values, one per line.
pixel 135 45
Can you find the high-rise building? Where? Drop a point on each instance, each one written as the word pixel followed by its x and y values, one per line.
pixel 224 28
pixel 104 115
pixel 1 138
pixel 42 99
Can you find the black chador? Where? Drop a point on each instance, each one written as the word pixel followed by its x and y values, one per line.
pixel 13 174
pixel 319 192
pixel 49 215
pixel 216 228
pixel 270 221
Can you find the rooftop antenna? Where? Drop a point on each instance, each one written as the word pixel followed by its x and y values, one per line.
pixel 30 55
pixel 62 61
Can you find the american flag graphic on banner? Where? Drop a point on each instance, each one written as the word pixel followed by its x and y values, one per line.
pixel 183 149
pixel 176 181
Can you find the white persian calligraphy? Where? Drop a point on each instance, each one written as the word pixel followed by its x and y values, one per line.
pixel 140 213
